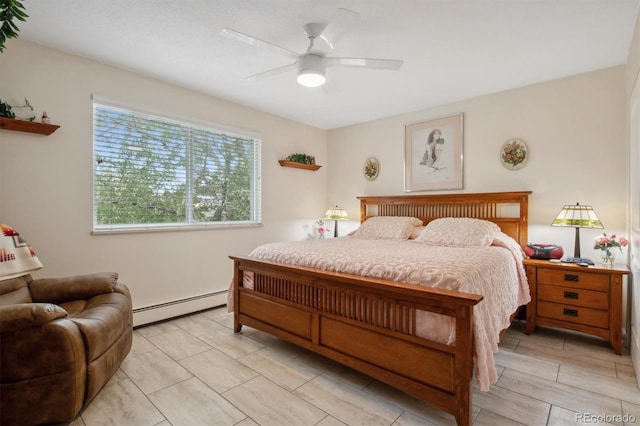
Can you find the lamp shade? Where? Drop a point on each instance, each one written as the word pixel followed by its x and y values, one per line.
pixel 17 258
pixel 336 213
pixel 577 216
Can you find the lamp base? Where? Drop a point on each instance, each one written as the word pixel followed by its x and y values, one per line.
pixel 576 247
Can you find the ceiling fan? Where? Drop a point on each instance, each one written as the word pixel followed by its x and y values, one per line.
pixel 312 65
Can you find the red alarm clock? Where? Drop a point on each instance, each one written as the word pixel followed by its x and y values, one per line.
pixel 543 251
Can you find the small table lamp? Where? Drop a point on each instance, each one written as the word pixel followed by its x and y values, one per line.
pixel 336 213
pixel 579 217
pixel 17 258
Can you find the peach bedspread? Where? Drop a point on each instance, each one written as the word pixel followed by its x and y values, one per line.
pixel 496 272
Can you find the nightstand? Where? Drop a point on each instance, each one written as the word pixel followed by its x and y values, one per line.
pixel 587 299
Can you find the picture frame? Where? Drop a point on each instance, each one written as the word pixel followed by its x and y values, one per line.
pixel 433 154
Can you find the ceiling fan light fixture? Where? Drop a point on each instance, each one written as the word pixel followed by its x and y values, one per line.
pixel 311 79
pixel 311 70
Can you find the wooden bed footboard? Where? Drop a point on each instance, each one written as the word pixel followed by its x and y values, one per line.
pixel 366 324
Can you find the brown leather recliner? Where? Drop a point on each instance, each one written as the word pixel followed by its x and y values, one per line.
pixel 61 340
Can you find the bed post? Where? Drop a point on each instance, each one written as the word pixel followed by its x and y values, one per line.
pixel 237 281
pixel 464 364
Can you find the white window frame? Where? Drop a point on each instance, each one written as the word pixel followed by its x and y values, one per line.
pixel 189 223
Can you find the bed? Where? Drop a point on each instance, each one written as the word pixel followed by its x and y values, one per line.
pixel 364 322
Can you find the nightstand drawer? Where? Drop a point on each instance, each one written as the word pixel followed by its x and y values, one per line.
pixel 574 296
pixel 574 314
pixel 567 278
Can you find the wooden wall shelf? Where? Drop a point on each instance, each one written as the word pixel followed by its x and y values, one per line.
pixel 27 126
pixel 285 163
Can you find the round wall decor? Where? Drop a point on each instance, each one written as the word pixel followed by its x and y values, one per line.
pixel 371 168
pixel 514 154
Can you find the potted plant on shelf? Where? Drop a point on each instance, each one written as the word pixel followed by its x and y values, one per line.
pixel 300 161
pixel 6 110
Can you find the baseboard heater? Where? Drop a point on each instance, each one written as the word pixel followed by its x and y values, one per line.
pixel 175 308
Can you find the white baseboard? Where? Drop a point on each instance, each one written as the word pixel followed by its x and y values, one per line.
pixel 176 308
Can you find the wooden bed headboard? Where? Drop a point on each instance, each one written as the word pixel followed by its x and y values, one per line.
pixel 509 210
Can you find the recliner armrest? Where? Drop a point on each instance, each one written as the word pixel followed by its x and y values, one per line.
pixel 57 290
pixel 25 315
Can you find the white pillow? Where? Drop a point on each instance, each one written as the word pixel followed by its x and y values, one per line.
pixel 459 232
pixel 387 227
pixel 416 232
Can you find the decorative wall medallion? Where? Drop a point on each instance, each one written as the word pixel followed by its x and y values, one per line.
pixel 514 154
pixel 371 168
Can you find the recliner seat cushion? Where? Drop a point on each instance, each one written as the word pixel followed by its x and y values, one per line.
pixel 101 323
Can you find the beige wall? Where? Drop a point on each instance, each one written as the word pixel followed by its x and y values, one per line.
pixel 633 62
pixel 46 182
pixel 575 129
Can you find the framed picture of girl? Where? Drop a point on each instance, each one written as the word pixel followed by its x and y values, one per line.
pixel 433 154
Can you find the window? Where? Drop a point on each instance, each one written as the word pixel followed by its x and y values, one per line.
pixel 152 172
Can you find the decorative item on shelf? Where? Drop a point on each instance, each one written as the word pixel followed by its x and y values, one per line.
pixel 300 161
pixel 336 213
pixel 17 258
pixel 45 118
pixel 6 110
pixel 371 168
pixel 302 158
pixel 578 217
pixel 606 243
pixel 514 154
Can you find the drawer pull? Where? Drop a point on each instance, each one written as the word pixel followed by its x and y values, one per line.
pixel 571 277
pixel 570 312
pixel 571 295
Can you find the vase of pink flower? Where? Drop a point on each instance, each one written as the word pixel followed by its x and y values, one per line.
pixel 606 243
pixel 320 228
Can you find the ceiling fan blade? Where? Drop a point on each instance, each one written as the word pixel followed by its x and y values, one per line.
pixel 380 64
pixel 271 73
pixel 256 42
pixel 338 25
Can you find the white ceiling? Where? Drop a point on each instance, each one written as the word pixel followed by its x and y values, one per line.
pixel 452 49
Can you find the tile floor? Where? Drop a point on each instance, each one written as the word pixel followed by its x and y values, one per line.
pixel 195 371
